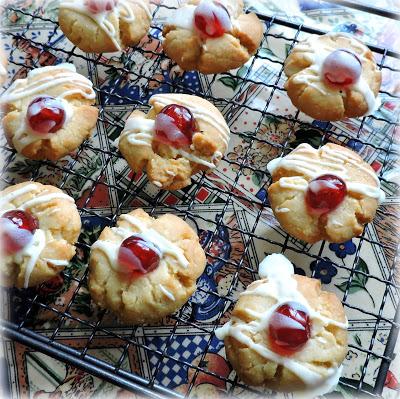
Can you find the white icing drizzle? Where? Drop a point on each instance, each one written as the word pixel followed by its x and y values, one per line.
pixel 282 210
pixel 167 293
pixel 280 285
pixel 33 250
pixel 165 246
pixel 122 10
pixel 30 86
pixel 316 50
pixel 140 131
pixel 57 262
pixel 331 161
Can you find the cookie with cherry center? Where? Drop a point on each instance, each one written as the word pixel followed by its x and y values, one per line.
pixel 333 77
pixel 212 36
pixel 180 136
pixel 329 193
pixel 145 268
pixel 39 225
pixel 285 333
pixel 104 26
pixel 49 113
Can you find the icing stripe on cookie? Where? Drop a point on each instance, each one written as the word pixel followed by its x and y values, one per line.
pixel 281 286
pixel 329 160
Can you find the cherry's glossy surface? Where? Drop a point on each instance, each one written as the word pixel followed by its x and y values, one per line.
pixel 211 19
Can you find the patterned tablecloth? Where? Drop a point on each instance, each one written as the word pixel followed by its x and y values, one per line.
pixel 32 374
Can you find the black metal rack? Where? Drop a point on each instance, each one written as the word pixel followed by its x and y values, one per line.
pixel 21 329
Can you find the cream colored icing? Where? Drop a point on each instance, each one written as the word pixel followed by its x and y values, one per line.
pixel 316 51
pixel 33 250
pixel 280 285
pixel 140 131
pixel 332 161
pixel 167 293
pixel 162 244
pixel 122 10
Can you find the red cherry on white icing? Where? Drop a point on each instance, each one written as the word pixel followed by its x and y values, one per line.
pixel 174 126
pixel 325 193
pixel 45 115
pixel 211 19
pixel 289 328
pixel 17 228
pixel 98 6
pixel 341 67
pixel 137 256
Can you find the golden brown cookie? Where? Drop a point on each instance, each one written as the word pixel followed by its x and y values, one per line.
pixel 168 165
pixel 197 41
pixel 285 333
pixel 39 227
pixel 308 207
pixel 49 113
pixel 144 268
pixel 97 26
pixel 332 77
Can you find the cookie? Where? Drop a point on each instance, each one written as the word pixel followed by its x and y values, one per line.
pixel 323 194
pixel 332 77
pixel 49 113
pixel 97 26
pixel 145 268
pixel 39 226
pixel 180 136
pixel 285 333
pixel 212 36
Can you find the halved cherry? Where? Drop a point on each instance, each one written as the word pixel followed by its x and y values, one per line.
pixel 137 256
pixel 325 193
pixel 342 67
pixel 212 19
pixel 17 228
pixel 289 328
pixel 45 114
pixel 175 126
pixel 98 6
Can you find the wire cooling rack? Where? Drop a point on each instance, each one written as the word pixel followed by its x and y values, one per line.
pixel 129 190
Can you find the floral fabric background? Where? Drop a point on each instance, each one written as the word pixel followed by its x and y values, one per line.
pixel 92 174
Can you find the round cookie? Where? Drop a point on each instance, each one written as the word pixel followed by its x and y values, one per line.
pixel 171 166
pixel 97 26
pixel 145 291
pixel 30 258
pixel 49 113
pixel 285 333
pixel 332 77
pixel 196 41
pixel 297 188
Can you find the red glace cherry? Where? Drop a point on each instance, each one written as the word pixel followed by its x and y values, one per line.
pixel 212 19
pixel 341 67
pixel 289 328
pixel 174 126
pixel 325 193
pixel 45 115
pixel 137 256
pixel 98 6
pixel 17 228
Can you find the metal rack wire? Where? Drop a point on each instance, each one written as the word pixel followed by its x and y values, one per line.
pixel 20 328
